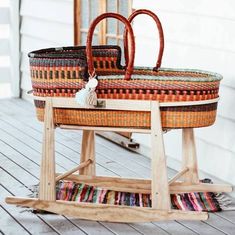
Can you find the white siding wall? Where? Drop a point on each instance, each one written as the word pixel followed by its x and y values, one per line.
pixel 45 23
pixel 4 43
pixel 9 48
pixel 198 34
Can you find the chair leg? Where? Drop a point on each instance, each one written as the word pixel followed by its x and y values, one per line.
pixel 47 176
pixel 88 152
pixel 159 186
pixel 189 158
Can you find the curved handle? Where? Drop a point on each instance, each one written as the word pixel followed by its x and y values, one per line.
pixel 130 62
pixel 160 31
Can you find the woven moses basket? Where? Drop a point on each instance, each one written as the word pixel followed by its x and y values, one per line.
pixel 61 72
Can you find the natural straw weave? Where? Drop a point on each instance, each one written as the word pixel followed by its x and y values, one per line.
pixel 61 72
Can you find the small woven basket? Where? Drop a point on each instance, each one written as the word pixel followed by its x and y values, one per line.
pixel 61 72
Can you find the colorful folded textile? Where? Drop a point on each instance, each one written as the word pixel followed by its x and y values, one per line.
pixel 70 191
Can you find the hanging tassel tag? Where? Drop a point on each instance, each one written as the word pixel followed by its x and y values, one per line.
pixel 87 96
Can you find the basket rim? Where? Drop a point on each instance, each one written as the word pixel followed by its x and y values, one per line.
pixel 208 75
pixel 56 52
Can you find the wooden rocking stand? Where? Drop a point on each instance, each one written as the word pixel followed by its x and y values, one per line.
pixel 158 186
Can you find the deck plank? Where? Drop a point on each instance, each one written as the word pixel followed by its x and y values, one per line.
pixel 124 229
pixel 175 228
pixel 150 228
pixel 59 223
pixel 201 227
pixel 27 220
pixel 91 227
pixel 9 225
pixel 221 224
pixel 228 215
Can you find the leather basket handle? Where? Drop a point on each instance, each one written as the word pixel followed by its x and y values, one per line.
pixel 160 31
pixel 129 62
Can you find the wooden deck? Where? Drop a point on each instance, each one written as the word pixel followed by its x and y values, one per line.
pixel 20 152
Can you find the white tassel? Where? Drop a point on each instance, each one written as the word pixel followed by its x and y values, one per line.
pixel 87 97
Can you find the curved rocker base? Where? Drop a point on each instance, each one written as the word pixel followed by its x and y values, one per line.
pixel 104 212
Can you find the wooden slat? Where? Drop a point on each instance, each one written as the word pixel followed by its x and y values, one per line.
pixel 229 215
pixel 104 212
pixel 9 225
pixel 201 187
pixel 77 168
pixel 15 222
pixel 178 175
pixel 143 185
pixel 117 104
pixel 200 227
pixel 4 15
pixel 35 223
pixel 222 224
pixel 109 104
pixel 59 222
pixel 114 183
pixel 133 229
pixel 150 229
pixel 175 228
pixel 71 127
pixel 4 46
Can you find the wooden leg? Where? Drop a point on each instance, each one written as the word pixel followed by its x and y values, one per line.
pixel 47 176
pixel 159 185
pixel 189 160
pixel 88 152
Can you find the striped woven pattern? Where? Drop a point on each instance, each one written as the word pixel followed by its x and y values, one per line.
pixel 70 191
pixel 61 72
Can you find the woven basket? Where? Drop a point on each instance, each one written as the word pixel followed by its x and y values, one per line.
pixel 61 72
